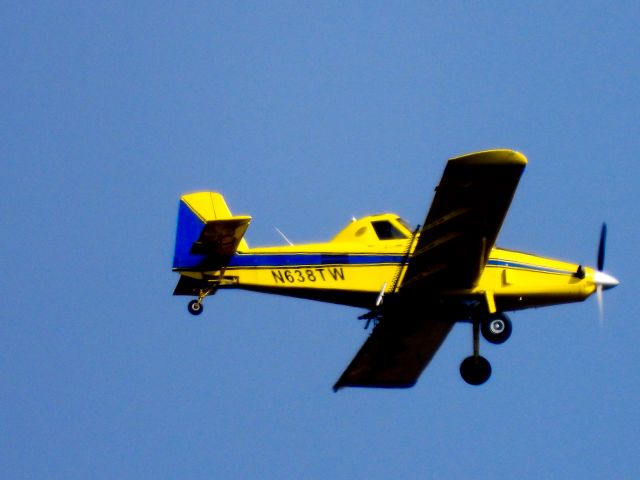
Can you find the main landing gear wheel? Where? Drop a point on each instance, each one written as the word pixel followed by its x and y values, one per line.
pixel 195 307
pixel 475 370
pixel 496 329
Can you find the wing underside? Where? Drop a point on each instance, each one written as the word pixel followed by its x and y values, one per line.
pixel 464 220
pixel 396 353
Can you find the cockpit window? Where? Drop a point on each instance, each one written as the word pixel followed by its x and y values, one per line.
pixel 387 231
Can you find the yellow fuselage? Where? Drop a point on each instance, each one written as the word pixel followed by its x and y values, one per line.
pixel 356 266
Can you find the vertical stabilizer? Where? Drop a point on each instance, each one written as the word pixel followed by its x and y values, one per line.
pixel 207 234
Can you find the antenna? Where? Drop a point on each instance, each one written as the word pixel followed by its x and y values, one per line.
pixel 284 236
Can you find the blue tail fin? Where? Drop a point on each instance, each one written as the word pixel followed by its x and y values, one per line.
pixel 207 234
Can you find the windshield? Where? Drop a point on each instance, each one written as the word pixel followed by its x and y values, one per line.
pixel 387 231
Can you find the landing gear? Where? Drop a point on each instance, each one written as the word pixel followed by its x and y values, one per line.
pixel 475 370
pixel 496 329
pixel 195 307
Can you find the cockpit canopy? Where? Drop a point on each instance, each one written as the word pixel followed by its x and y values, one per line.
pixel 375 228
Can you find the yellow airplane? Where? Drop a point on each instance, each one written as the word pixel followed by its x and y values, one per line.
pixel 415 283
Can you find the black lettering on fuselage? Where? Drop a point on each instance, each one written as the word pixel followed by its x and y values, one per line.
pixel 311 275
pixel 336 273
pixel 277 276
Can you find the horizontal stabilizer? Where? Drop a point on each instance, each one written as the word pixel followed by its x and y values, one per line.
pixel 221 236
pixel 190 286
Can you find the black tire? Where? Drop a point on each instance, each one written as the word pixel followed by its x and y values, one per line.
pixel 475 370
pixel 496 329
pixel 195 307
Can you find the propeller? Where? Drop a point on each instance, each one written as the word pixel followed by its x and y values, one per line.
pixel 601 247
pixel 602 280
pixel 600 299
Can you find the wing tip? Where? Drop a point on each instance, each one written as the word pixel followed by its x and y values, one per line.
pixel 492 157
pixel 373 384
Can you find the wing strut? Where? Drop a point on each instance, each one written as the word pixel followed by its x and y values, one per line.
pixel 375 314
pixel 405 260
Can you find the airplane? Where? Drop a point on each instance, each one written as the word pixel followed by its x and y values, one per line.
pixel 414 283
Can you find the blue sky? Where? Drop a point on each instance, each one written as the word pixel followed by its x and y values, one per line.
pixel 304 114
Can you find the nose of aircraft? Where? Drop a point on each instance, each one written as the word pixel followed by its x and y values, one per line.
pixel 605 280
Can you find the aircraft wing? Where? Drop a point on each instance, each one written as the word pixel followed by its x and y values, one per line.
pixel 459 232
pixel 396 353
pixel 461 228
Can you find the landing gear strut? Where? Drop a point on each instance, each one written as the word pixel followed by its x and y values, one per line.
pixel 196 307
pixel 475 370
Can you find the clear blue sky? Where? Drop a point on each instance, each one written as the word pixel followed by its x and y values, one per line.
pixel 304 115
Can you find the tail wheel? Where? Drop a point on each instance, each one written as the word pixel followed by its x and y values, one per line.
pixel 195 307
pixel 496 329
pixel 475 370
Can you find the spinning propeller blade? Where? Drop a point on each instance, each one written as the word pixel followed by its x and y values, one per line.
pixel 602 280
pixel 601 247
pixel 600 304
